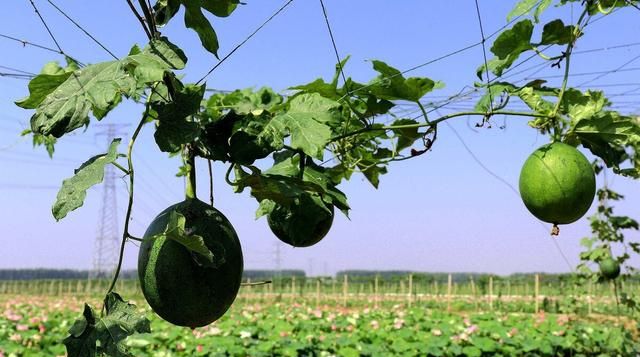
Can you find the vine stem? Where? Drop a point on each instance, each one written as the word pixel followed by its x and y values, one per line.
pixel 119 167
pixel 565 79
pixel 424 112
pixel 190 163
pixel 140 18
pixel 149 18
pixel 436 121
pixel 210 181
pixel 125 234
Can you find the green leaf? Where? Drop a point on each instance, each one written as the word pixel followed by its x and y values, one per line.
pixel 580 105
pixel 534 100
pixel 508 47
pixel 247 101
pixel 493 93
pixel 327 90
pixel 556 33
pixel 94 336
pixel 165 10
pixel 177 232
pixel 158 57
pixel 175 127
pixel 307 121
pixel 391 85
pixel 313 174
pixel 95 88
pixel 50 78
pixel 525 7
pixel 255 137
pixel 406 136
pixel 607 134
pixel 609 126
pixel 220 8
pixel 74 189
pixel 195 20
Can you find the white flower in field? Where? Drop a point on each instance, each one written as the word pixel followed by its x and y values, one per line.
pixel 245 334
pixel 398 323
pixel 214 330
pixel 15 338
pixel 21 327
pixel 436 332
pixel 375 324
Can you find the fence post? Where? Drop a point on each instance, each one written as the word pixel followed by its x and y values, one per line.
pixel 345 290
pixel 449 293
pixel 375 292
pixel 537 292
pixel 491 292
pixel 410 295
pixel 473 291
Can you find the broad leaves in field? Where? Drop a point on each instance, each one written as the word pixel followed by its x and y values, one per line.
pixel 74 189
pixel 92 335
pixel 195 19
pixel 64 97
pixel 177 232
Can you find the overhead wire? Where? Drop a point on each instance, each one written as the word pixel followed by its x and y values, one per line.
pixel 82 29
pixel 280 10
pixel 53 37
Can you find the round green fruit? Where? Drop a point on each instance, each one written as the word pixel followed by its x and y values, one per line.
pixel 557 183
pixel 176 286
pixel 609 268
pixel 304 223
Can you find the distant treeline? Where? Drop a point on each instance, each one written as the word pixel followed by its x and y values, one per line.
pixel 441 277
pixel 361 276
pixel 42 274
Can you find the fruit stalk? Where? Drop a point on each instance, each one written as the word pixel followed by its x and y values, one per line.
pixel 190 164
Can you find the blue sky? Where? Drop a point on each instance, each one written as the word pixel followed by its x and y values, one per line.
pixel 439 212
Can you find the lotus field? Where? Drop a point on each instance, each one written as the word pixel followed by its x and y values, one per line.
pixel 260 324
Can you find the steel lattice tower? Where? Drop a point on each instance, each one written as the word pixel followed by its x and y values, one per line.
pixel 105 251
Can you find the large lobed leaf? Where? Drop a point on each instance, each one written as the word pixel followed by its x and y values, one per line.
pixel 74 189
pixel 92 336
pixel 307 119
pixel 64 97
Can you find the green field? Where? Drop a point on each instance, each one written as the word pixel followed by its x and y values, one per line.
pixel 337 319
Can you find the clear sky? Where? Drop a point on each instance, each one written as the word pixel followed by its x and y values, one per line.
pixel 439 212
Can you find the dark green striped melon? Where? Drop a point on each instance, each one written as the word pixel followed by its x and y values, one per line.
pixel 176 286
pixel 609 268
pixel 304 223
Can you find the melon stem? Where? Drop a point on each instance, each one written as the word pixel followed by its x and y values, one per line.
pixel 190 164
pixel 555 230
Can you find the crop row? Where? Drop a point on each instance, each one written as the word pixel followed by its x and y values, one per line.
pixel 34 326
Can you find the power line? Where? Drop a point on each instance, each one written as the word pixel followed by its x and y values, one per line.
pixel 29 43
pixel 245 41
pixel 513 189
pixel 82 29
pixel 35 8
